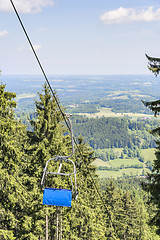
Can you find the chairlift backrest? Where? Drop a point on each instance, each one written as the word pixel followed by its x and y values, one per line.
pixel 57 197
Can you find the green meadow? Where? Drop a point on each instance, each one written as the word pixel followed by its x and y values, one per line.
pixel 127 166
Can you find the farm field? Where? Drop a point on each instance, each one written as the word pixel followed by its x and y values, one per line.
pixel 117 168
pixel 117 174
pixel 107 112
pixel 25 95
pixel 148 154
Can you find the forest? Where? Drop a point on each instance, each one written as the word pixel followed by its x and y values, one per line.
pixel 105 208
pixel 110 132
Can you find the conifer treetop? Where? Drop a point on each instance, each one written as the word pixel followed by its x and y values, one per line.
pixel 153 64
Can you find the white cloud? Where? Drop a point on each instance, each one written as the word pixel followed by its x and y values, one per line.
pixel 25 6
pixel 37 47
pixel 3 33
pixel 129 15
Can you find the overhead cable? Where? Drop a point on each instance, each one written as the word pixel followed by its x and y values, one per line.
pixel 45 76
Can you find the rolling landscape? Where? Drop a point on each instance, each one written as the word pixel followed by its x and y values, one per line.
pixel 104 109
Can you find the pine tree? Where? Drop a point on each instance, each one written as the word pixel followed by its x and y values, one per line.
pixel 111 198
pixel 85 219
pixel 13 197
pixel 45 140
pixel 131 227
pixel 154 64
pixel 152 182
pixel 125 217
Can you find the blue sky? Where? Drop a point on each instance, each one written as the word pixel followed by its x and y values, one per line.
pixel 79 36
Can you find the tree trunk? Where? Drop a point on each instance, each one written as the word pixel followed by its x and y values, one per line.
pixel 46 223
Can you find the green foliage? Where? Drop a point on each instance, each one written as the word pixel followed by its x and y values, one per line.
pixel 6 235
pixel 152 182
pixel 85 108
pixel 85 218
pixel 129 105
pixel 127 214
pixel 123 217
pixel 154 65
pixel 102 133
pixel 44 141
pixel 12 142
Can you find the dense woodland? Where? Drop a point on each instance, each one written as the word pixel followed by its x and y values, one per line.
pixel 127 104
pixel 104 209
pixel 116 132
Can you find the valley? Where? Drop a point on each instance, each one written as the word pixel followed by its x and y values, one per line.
pixel 93 100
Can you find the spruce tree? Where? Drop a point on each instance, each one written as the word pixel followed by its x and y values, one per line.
pixel 153 64
pixel 47 137
pixel 131 224
pixel 46 140
pixel 125 218
pixel 85 220
pixel 111 198
pixel 13 196
pixel 152 183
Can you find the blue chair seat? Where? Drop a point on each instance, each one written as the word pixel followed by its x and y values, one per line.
pixel 57 197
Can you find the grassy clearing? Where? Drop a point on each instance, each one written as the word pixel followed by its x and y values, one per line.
pixel 117 162
pixel 148 154
pixel 108 174
pixel 126 162
pixel 120 173
pixel 98 162
pixel 107 112
pixel 25 95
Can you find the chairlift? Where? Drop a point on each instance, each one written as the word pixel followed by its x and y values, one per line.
pixel 60 197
